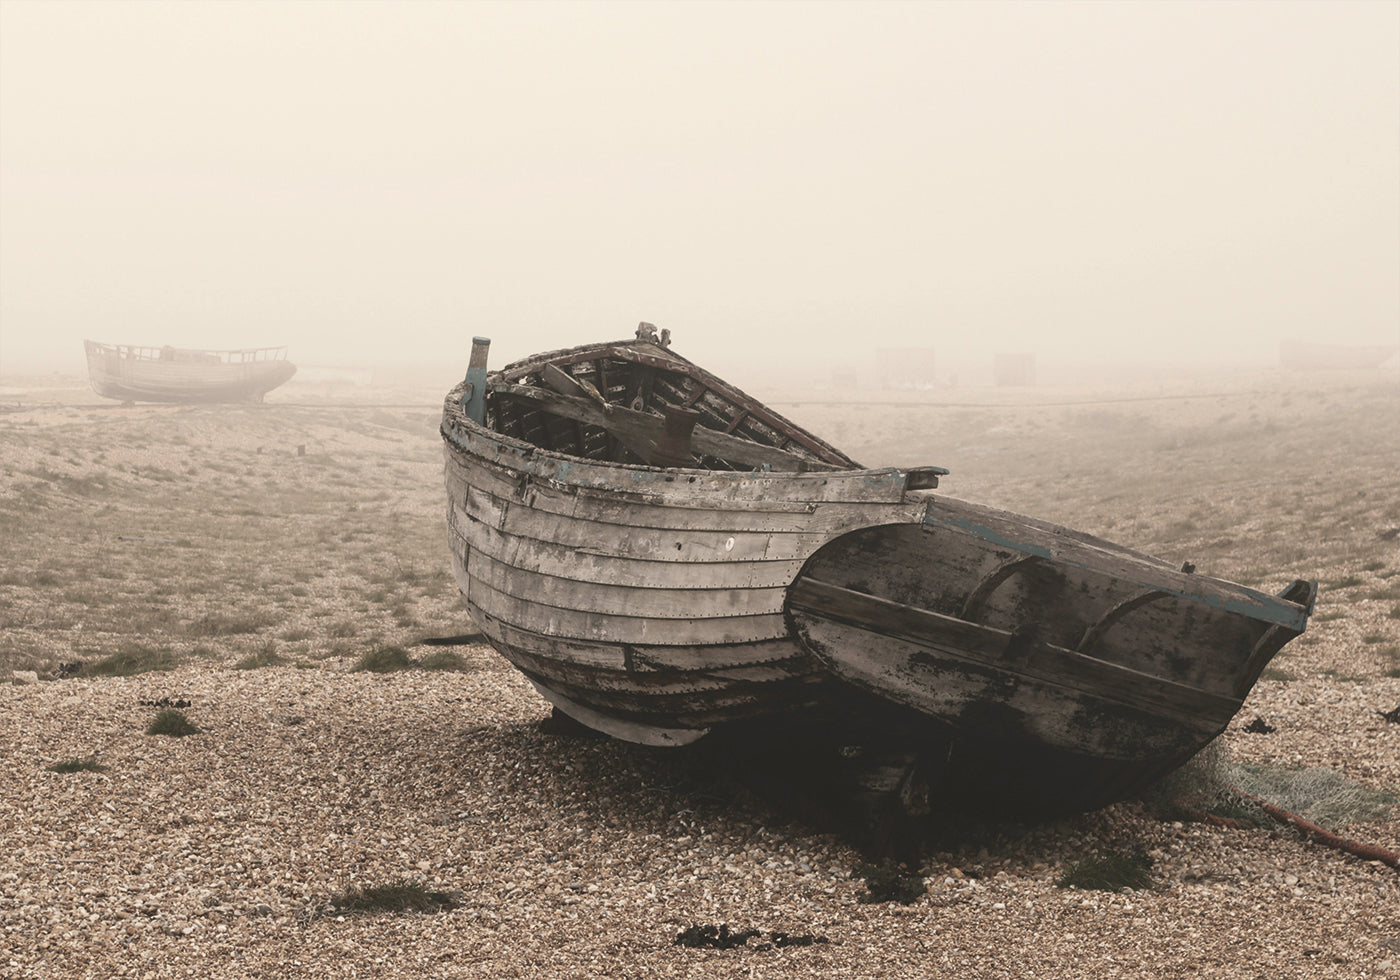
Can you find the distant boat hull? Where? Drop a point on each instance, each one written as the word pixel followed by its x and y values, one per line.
pixel 170 374
pixel 773 581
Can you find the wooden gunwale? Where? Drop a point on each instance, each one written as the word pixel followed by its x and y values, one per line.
pixel 683 513
pixel 675 487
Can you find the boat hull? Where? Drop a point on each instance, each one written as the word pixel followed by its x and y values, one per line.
pixel 1027 664
pixel 183 376
pixel 659 608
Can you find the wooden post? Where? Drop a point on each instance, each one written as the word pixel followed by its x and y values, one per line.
pixel 474 399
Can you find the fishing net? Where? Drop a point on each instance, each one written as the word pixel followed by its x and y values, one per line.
pixel 1213 784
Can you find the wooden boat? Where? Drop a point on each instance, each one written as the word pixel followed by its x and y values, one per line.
pixel 663 556
pixel 175 374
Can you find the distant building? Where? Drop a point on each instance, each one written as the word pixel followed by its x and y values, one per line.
pixel 1311 356
pixel 905 367
pixel 1014 370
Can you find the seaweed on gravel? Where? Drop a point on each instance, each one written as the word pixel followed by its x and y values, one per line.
pixel 1110 873
pixel 396 897
pixel 698 936
pixel 890 882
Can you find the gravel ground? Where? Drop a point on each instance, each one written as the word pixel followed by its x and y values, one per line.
pixel 220 854
pixel 217 854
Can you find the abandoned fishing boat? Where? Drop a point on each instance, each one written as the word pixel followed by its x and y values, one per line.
pixel 662 556
pixel 175 374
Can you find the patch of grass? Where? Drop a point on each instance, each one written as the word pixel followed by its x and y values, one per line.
pixel 1110 873
pixel 395 898
pixel 1393 672
pixel 1394 612
pixel 131 659
pixel 1328 615
pixel 266 657
pixel 445 660
pixel 77 765
pixel 344 629
pixel 1374 637
pixel 1345 582
pixel 384 660
pixel 171 722
pixel 231 624
pixel 1275 674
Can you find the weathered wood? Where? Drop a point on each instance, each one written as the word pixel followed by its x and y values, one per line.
pixel 573 624
pixel 1002 654
pixel 1094 633
pixel 885 485
pixel 643 657
pixel 653 603
pixel 604 566
pixel 661 604
pixel 679 545
pixel 1007 531
pixel 708 512
pixel 637 428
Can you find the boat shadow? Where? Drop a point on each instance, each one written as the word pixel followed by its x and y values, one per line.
pixel 779 783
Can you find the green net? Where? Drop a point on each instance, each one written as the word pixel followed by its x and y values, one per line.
pixel 1212 783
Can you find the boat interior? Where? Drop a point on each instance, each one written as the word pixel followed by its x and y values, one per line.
pixel 636 402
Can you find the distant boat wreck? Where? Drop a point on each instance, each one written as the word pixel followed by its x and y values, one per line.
pixel 664 556
pixel 178 374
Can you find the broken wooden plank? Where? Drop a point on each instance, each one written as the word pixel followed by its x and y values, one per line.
pixel 634 427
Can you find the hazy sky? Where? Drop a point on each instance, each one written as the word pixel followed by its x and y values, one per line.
pixel 380 181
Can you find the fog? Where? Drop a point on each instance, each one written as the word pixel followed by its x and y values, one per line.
pixel 792 183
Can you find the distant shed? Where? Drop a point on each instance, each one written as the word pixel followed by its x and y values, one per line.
pixel 1014 370
pixel 1303 355
pixel 905 367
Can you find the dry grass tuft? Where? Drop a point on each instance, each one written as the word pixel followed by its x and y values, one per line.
pixel 173 723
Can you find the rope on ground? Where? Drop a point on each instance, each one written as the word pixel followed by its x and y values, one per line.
pixel 1370 852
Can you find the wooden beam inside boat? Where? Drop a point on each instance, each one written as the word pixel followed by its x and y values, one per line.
pixel 642 429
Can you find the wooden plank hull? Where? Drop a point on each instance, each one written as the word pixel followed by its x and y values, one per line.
pixel 662 609
pixel 171 375
pixel 657 603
